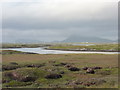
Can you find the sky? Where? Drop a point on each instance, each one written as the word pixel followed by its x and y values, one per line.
pixel 56 20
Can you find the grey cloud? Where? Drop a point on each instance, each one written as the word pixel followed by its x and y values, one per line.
pixel 26 24
pixel 57 16
pixel 51 21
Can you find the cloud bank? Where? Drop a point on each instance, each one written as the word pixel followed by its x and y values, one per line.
pixel 57 20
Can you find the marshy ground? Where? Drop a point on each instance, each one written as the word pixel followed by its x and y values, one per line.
pixel 59 70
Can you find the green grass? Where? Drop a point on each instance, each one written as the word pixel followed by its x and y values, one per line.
pixel 23 45
pixel 11 52
pixel 104 78
pixel 113 47
pixel 15 83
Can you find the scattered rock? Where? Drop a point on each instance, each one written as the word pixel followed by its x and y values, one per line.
pixel 74 69
pixel 90 70
pixel 53 76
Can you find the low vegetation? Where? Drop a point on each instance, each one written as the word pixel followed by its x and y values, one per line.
pixel 97 47
pixel 60 70
pixel 24 45
pixel 3 52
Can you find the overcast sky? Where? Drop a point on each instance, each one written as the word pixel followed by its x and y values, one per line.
pixel 50 20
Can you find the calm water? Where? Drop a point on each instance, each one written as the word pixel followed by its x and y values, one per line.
pixel 43 51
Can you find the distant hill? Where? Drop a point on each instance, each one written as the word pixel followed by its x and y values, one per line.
pixel 69 39
pixel 87 39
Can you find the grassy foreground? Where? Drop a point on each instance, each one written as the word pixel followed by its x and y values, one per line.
pixel 60 70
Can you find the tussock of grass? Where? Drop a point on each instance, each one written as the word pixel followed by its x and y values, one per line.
pixel 55 64
pixel 70 79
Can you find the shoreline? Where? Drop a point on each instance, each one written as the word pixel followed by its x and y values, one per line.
pixel 83 50
pixel 67 49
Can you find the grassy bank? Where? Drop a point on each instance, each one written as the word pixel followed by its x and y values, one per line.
pixel 99 47
pixel 24 45
pixel 4 52
pixel 60 70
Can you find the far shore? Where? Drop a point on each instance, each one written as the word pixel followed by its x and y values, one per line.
pixel 84 50
pixel 67 49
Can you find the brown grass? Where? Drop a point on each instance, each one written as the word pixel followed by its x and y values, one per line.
pixel 80 59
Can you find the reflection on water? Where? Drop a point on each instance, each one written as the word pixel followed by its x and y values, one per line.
pixel 44 51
